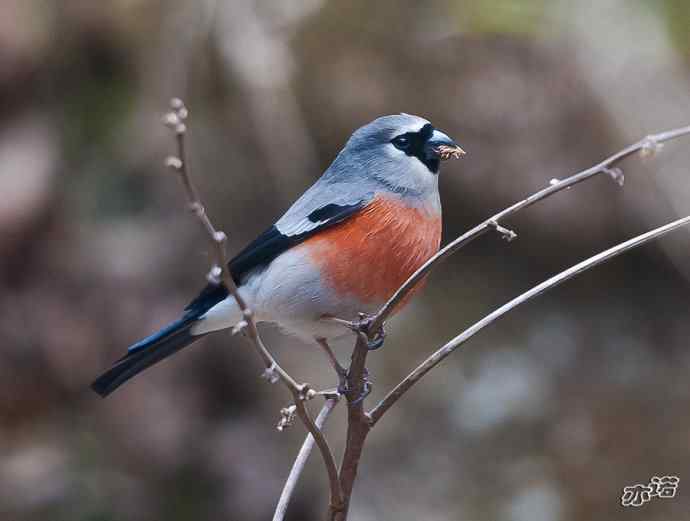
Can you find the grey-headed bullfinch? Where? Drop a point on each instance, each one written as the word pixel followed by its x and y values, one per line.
pixel 342 248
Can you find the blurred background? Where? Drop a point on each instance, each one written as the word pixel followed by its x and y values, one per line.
pixel 545 416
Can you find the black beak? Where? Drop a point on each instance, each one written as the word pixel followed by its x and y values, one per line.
pixel 440 146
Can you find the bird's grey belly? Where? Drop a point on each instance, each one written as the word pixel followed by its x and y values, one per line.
pixel 292 293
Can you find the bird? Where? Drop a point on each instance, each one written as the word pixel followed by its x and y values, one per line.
pixel 340 251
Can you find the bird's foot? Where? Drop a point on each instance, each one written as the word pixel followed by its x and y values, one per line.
pixel 375 339
pixel 375 343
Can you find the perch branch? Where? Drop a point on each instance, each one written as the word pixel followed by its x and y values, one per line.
pixel 433 360
pixel 647 146
pixel 360 422
pixel 301 460
pixel 220 272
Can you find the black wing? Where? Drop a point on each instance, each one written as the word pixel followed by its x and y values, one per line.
pixel 266 247
pixel 177 335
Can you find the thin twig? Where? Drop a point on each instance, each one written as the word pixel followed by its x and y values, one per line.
pixel 646 146
pixel 360 422
pixel 175 119
pixel 432 361
pixel 336 500
pixel 301 460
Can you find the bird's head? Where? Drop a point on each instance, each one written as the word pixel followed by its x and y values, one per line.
pixel 404 152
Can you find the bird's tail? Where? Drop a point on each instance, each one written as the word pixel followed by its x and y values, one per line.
pixel 147 352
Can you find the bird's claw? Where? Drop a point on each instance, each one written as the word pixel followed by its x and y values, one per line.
pixel 363 325
pixel 375 343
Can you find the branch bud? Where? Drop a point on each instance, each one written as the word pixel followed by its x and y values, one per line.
pixel 214 274
pixel 197 208
pixel 173 162
pixel 270 374
pixel 616 174
pixel 174 119
pixel 240 327
pixel 171 119
pixel 555 181
pixel 287 417
pixel 651 147
pixel 507 234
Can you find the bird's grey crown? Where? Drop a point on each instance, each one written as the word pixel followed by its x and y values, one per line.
pixel 385 128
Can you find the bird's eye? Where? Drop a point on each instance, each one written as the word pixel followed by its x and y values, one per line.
pixel 401 142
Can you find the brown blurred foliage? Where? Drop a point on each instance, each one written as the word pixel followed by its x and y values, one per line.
pixel 545 417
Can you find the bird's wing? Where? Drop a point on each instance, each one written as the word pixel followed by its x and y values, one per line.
pixel 288 233
pixel 322 206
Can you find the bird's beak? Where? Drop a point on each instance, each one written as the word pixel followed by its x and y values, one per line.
pixel 440 146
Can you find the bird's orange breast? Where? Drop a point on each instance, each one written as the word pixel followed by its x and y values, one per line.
pixel 373 253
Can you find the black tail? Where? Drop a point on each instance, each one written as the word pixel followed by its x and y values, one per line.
pixel 162 344
pixel 144 354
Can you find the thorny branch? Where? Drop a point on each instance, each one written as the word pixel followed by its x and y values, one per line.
pixel 175 119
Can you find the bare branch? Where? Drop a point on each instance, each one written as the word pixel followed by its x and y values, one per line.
pixel 432 361
pixel 326 453
pixel 175 119
pixel 358 425
pixel 301 460
pixel 359 422
pixel 647 146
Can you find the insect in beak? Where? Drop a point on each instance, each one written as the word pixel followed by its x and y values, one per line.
pixel 449 152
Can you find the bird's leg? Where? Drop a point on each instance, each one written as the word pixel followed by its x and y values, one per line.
pixel 339 369
pixel 378 340
pixel 361 325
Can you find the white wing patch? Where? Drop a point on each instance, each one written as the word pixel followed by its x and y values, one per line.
pixel 318 218
pixel 299 227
